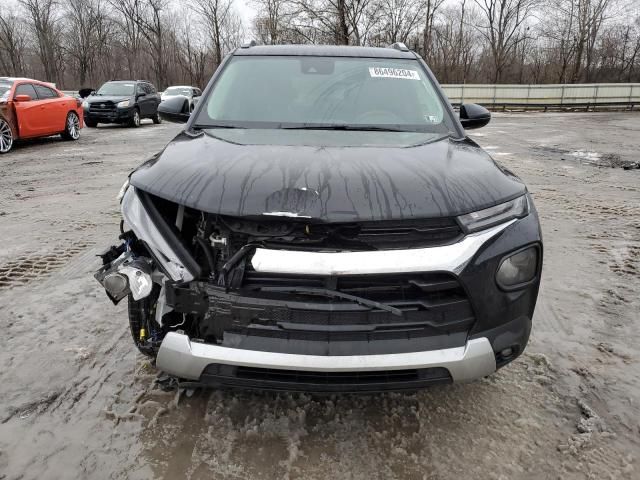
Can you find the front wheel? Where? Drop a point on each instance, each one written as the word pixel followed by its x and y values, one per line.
pixel 6 136
pixel 135 119
pixel 72 127
pixel 90 123
pixel 156 119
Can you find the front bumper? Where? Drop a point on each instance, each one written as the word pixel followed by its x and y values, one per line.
pixel 119 115
pixel 186 359
pixel 457 324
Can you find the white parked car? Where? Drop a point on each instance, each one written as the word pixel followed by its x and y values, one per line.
pixel 190 93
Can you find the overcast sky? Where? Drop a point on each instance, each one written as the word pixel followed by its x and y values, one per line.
pixel 247 12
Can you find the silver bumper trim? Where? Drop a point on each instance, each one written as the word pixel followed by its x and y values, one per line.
pixel 185 359
pixel 449 258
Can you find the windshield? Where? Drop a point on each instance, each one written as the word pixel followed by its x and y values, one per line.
pixel 329 92
pixel 117 89
pixel 173 91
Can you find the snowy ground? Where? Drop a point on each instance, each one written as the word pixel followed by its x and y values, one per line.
pixel 76 401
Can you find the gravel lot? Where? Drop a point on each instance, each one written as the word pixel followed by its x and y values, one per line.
pixel 76 401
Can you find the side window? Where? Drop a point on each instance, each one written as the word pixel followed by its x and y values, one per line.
pixel 140 89
pixel 45 92
pixel 26 89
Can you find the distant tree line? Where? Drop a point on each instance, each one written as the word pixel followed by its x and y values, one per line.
pixel 79 43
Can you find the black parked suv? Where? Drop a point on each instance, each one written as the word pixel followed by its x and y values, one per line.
pixel 122 101
pixel 324 223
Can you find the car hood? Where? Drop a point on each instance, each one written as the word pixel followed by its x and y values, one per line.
pixel 444 177
pixel 106 98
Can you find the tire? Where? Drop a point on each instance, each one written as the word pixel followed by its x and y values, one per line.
pixel 90 123
pixel 156 119
pixel 135 119
pixel 71 127
pixel 6 136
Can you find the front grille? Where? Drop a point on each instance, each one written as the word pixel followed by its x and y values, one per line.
pixel 435 301
pixel 279 313
pixel 102 107
pixel 273 379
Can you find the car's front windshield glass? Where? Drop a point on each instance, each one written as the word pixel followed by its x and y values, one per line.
pixel 118 89
pixel 325 92
pixel 173 91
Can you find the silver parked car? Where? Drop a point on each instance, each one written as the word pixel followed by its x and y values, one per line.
pixel 191 94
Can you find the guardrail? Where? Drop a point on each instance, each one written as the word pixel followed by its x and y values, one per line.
pixel 589 95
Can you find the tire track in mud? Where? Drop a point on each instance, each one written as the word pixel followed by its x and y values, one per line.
pixel 30 267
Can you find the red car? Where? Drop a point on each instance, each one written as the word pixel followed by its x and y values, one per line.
pixel 30 108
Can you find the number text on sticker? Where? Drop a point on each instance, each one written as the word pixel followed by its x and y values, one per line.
pixel 388 72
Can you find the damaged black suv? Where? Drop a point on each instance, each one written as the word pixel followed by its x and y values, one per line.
pixel 323 223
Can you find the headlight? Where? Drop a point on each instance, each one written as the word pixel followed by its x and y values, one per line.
pixel 85 104
pixel 124 103
pixel 491 216
pixel 519 268
pixel 123 190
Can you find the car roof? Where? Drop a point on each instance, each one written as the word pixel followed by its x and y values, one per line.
pixel 324 51
pixel 180 86
pixel 30 80
pixel 20 79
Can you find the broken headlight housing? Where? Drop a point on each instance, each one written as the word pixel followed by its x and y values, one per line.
pixel 489 217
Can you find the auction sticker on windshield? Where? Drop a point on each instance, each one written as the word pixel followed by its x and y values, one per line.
pixel 388 72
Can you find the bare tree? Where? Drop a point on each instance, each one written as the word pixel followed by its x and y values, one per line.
pixel 501 23
pixel 131 32
pixel 45 22
pixel 342 22
pixel 219 19
pixel 431 7
pixel 400 18
pixel 83 35
pixel 270 21
pixel 12 43
pixel 150 22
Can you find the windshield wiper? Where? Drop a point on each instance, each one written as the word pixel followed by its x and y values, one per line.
pixel 327 292
pixel 203 126
pixel 340 126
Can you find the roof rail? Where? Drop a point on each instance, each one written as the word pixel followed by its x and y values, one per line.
pixel 250 44
pixel 400 46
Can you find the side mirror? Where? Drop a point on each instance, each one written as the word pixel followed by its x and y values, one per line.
pixel 474 116
pixel 22 98
pixel 174 109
